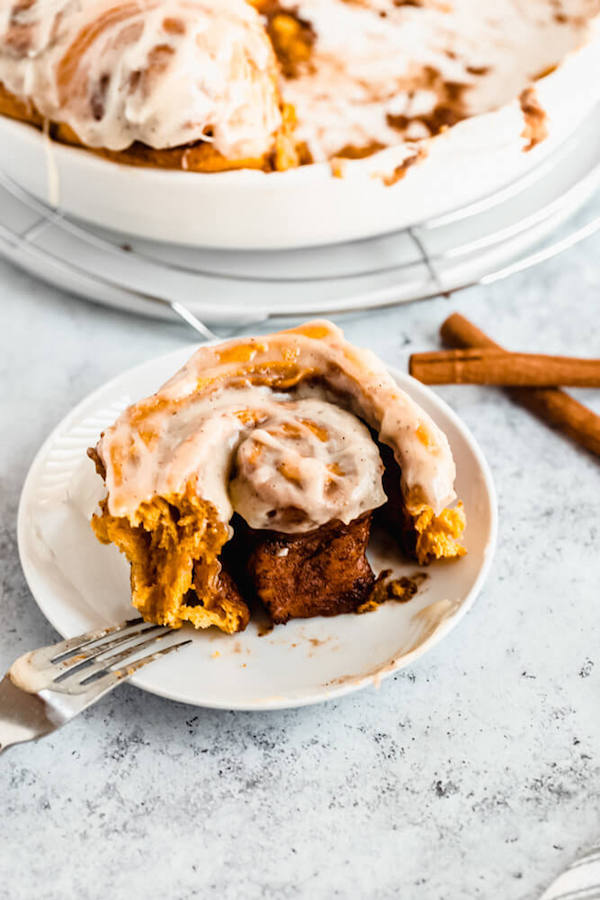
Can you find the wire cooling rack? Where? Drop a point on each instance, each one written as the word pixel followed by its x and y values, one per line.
pixel 488 240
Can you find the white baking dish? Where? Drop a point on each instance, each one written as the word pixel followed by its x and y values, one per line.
pixel 306 206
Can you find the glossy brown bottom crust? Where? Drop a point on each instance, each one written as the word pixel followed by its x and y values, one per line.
pixel 323 573
pixel 197 157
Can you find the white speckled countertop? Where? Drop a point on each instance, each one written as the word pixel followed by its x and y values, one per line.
pixel 473 774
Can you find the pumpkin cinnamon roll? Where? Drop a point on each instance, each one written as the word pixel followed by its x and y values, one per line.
pixel 255 473
pixel 188 84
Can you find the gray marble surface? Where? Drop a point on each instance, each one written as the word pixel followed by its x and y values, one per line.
pixel 475 773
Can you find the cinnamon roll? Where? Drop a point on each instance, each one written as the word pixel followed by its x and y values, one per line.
pixel 255 471
pixel 190 84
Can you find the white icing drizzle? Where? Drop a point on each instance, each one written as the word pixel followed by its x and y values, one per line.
pixel 52 173
pixel 163 72
pixel 250 446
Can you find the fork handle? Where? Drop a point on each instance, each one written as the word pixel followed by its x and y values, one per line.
pixel 23 716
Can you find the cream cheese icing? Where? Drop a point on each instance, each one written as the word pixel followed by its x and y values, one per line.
pixel 307 464
pixel 273 427
pixel 163 72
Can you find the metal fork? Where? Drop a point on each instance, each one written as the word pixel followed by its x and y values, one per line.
pixel 47 687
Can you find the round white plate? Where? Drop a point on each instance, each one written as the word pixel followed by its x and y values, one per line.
pixel 80 584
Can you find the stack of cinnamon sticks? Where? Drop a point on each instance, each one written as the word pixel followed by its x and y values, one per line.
pixel 532 380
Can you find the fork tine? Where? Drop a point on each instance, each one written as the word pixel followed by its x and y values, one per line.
pixel 71 662
pixel 150 657
pixel 100 686
pixel 45 658
pixel 81 676
pixel 52 652
pixel 72 645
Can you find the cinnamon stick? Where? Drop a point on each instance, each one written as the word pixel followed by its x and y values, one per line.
pixel 552 405
pixel 487 365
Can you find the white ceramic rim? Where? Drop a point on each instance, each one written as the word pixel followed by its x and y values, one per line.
pixel 36 583
pixel 495 257
pixel 307 206
pixel 154 177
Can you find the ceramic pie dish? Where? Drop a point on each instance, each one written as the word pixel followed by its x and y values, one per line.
pixel 488 93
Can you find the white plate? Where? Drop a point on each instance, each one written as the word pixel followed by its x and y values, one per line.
pixel 80 584
pixel 305 206
pixel 235 286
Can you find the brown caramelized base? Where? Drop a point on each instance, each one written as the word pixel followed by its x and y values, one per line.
pixel 322 573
